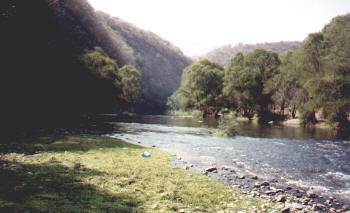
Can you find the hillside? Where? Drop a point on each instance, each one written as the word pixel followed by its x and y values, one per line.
pixel 43 81
pixel 160 62
pixel 225 53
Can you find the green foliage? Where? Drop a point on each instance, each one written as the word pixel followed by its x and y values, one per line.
pixel 326 71
pixel 131 85
pixel 100 65
pixel 201 87
pixel 224 54
pixel 247 79
pixel 126 80
pixel 227 127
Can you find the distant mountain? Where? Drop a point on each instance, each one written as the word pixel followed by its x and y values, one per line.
pixel 160 62
pixel 225 53
pixel 42 80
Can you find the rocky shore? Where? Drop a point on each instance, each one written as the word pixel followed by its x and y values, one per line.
pixel 291 198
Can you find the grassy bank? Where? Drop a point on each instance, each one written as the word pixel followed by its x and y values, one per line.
pixel 101 174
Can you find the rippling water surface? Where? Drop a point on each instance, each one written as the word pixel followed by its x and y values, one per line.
pixel 307 158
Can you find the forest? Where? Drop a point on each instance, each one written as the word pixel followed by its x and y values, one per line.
pixel 312 83
pixel 62 62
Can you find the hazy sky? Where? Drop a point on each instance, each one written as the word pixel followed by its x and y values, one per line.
pixel 198 26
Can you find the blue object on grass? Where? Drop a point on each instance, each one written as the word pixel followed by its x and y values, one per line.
pixel 146 154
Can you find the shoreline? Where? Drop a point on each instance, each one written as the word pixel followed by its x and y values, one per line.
pixel 294 198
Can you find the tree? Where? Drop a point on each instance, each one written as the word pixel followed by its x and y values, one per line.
pixel 326 68
pixel 131 85
pixel 284 84
pixel 201 87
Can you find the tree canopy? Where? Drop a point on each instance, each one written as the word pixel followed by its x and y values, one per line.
pixel 312 83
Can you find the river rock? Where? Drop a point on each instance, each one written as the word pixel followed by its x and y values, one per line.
pixel 296 206
pixel 257 185
pixel 270 192
pixel 281 198
pixel 228 169
pixel 264 183
pixel 211 169
pixel 311 194
pixel 318 206
pixel 286 210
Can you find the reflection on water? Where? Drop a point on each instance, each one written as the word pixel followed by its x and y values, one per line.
pixel 308 158
pixel 246 128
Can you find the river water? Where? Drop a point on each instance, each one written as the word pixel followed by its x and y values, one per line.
pixel 303 158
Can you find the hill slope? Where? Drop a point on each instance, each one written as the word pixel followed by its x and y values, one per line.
pixel 42 79
pixel 225 53
pixel 160 62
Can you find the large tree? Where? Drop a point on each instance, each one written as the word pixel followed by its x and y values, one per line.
pixel 201 87
pixel 247 80
pixel 326 68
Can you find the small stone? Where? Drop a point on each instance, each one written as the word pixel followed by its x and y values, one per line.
pixel 311 194
pixel 181 211
pixel 286 210
pixel 228 169
pixel 264 183
pixel 279 190
pixel 187 167
pixel 240 177
pixel 211 169
pixel 270 192
pixel 318 206
pixel 297 206
pixel 236 186
pixel 254 177
pixel 281 198
pixel 257 185
pixel 153 146
pixel 288 188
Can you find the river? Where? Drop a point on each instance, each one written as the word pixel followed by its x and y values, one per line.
pixel 308 159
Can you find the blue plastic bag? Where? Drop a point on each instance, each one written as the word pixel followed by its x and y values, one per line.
pixel 146 154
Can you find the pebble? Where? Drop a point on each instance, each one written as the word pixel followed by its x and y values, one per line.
pixel 270 192
pixel 311 194
pixel 211 169
pixel 281 198
pixel 264 183
pixel 228 169
pixel 257 185
pixel 286 210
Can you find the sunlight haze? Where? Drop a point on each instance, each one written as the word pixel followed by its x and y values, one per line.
pixel 198 26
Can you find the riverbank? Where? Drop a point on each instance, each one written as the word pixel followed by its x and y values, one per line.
pixel 65 173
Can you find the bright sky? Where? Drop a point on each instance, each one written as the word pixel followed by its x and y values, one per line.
pixel 198 26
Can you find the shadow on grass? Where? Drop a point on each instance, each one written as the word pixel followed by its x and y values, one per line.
pixel 81 138
pixel 54 188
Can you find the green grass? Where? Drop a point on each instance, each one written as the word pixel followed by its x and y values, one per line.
pixel 101 174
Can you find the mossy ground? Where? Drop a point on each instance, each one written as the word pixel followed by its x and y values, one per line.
pixel 101 174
